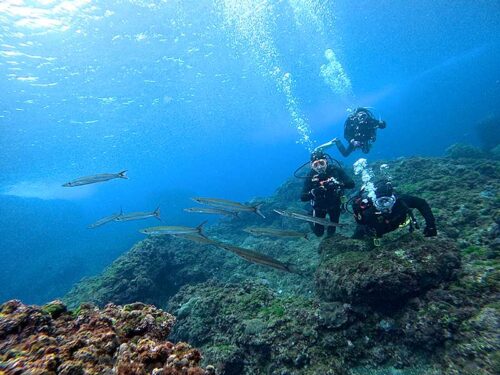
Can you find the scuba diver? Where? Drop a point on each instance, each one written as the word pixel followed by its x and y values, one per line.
pixel 388 212
pixel 360 131
pixel 324 187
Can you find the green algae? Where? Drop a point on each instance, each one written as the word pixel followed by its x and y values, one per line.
pixel 476 251
pixel 420 370
pixel 274 310
pixel 54 309
pixel 224 348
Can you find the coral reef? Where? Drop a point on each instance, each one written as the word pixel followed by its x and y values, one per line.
pixel 116 340
pixel 411 306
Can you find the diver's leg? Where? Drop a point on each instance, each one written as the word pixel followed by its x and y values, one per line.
pixel 360 232
pixel 345 152
pixel 319 229
pixel 334 214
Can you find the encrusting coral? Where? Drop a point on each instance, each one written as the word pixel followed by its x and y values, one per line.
pixel 124 340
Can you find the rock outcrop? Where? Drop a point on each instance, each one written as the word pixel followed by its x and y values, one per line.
pixel 392 273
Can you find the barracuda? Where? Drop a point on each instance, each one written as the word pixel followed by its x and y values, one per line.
pixel 95 179
pixel 229 205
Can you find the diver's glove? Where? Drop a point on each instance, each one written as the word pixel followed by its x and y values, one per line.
pixel 382 124
pixel 333 184
pixel 430 231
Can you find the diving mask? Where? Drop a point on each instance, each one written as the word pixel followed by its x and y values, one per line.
pixel 362 117
pixel 319 165
pixel 384 204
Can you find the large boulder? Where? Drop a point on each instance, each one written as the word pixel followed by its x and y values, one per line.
pixel 350 272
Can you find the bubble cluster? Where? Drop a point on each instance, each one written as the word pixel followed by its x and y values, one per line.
pixel 311 13
pixel 367 175
pixel 250 22
pixel 385 172
pixel 335 76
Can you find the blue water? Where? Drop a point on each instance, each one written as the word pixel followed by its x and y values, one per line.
pixel 211 98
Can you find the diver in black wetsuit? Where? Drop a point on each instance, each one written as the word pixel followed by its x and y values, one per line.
pixel 388 212
pixel 324 187
pixel 360 131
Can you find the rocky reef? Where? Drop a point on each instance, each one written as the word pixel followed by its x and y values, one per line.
pixel 154 269
pixel 125 340
pixel 349 272
pixel 245 328
pixel 413 305
pixel 488 132
pixel 151 272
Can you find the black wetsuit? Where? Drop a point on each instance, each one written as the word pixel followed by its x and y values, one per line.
pixel 374 223
pixel 327 200
pixel 365 133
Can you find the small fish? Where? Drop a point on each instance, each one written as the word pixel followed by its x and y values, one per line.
pixel 273 232
pixel 173 230
pixel 95 178
pixel 229 205
pixel 210 210
pixel 104 220
pixel 139 215
pixel 312 219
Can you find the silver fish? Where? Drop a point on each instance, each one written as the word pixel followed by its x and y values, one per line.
pixel 173 230
pixel 229 205
pixel 104 220
pixel 256 257
pixel 210 210
pixel 312 219
pixel 95 178
pixel 273 232
pixel 196 237
pixel 139 215
pixel 247 254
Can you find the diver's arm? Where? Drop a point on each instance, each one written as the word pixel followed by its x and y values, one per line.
pixel 377 124
pixel 357 212
pixel 347 182
pixel 422 206
pixel 306 190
